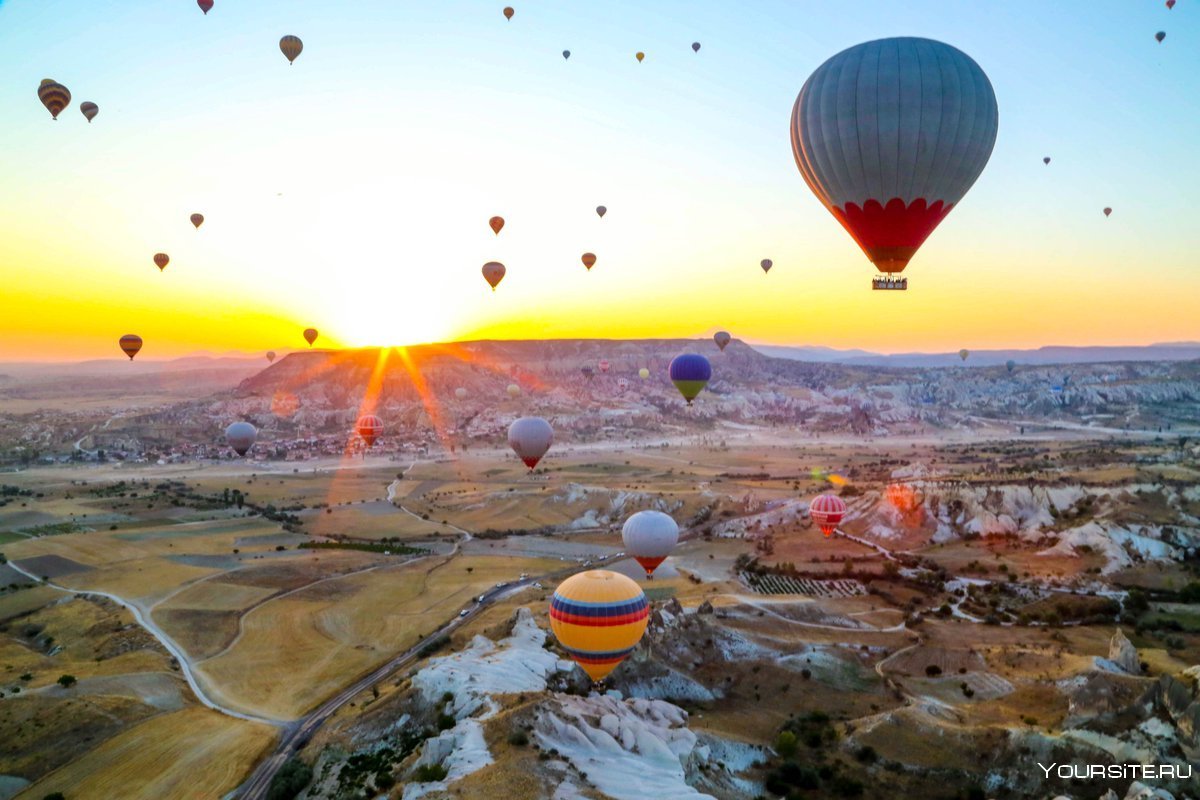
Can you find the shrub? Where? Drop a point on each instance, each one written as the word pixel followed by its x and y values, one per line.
pixel 66 681
pixel 429 773
pixel 291 779
pixel 518 738
pixel 933 670
pixel 785 744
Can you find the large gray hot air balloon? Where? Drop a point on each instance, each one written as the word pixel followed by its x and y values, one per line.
pixel 649 537
pixel 241 437
pixel 890 135
pixel 530 438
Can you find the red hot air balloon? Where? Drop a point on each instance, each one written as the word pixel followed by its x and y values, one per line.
pixel 310 335
pixel 131 343
pixel 508 12
pixel 890 135
pixel 497 224
pixel 205 6
pixel 368 428
pixel 161 260
pixel 493 273
pixel 1170 4
pixel 589 260
pixel 604 365
pixel 827 511
pixel 1107 211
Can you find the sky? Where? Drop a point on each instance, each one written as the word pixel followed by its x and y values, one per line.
pixel 351 191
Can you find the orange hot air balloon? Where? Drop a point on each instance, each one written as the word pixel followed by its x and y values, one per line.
pixel 54 96
pixel 368 428
pixel 497 224
pixel 89 110
pixel 205 6
pixel 271 356
pixel 639 56
pixel 197 219
pixel 310 335
pixel 599 617
pixel 131 343
pixel 589 260
pixel 493 273
pixel 161 260
pixel 291 46
pixel 508 12
pixel 827 511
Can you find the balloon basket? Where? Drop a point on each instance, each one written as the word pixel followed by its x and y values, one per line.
pixel 887 283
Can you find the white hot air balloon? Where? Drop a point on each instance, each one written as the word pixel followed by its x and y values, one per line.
pixel 530 438
pixel 890 135
pixel 649 537
pixel 241 437
pixel 513 390
pixel 460 393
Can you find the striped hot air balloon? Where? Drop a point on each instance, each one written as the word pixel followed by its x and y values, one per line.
pixel 89 110
pixel 827 511
pixel 161 260
pixel 890 135
pixel 589 260
pixel 291 46
pixel 131 343
pixel 368 428
pixel 690 373
pixel 598 617
pixel 722 338
pixel 54 96
pixel 493 273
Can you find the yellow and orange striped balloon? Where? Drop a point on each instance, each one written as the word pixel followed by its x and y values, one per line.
pixel 54 96
pixel 598 617
pixel 131 343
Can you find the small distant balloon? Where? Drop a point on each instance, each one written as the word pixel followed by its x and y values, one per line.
pixel 1170 4
pixel 695 47
pixel 493 273
pixel 766 264
pixel 54 96
pixel 205 6
pixel 310 335
pixel 589 260
pixel 690 373
pixel 197 220
pixel 271 356
pixel 643 373
pixel 588 372
pixel 601 211
pixel 604 365
pixel 508 12
pixel 241 437
pixel 131 343
pixel 1010 365
pixel 497 224
pixel 963 354
pixel 89 110
pixel 1160 36
pixel 513 390
pixel 460 393
pixel 722 338
pixel 827 511
pixel 566 54
pixel 161 260
pixel 368 428
pixel 1046 160
pixel 1107 211
pixel 640 56
pixel 291 46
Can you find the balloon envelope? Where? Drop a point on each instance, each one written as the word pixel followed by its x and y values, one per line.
pixel 89 109
pixel 271 356
pixel 197 220
pixel 690 373
pixel 639 57
pixel 598 617
pixel 131 343
pixel 205 6
pixel 310 335
pixel 650 536
pixel 1046 160
pixel 695 47
pixel 493 273
pixel 508 12
pixel 1160 36
pixel 368 428
pixel 1107 211
pixel 241 437
pixel 722 338
pixel 963 354
pixel 513 390
pixel 890 135
pixel 601 211
pixel 161 260
pixel 460 393
pixel 589 260
pixel 291 46
pixel 643 373
pixel 496 223
pixel 766 264
pixel 827 511
pixel 566 54
pixel 54 96
pixel 530 438
pixel 1010 365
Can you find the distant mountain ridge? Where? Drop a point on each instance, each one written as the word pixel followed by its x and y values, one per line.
pixel 1042 356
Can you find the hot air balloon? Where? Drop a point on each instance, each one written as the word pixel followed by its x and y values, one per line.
pixel 649 537
pixel 131 343
pixel 598 617
pixel 643 373
pixel 690 373
pixel 588 372
pixel 460 393
pixel 493 273
pixel 205 6
pixel 622 384
pixel 601 211
pixel 508 12
pixel 513 390
pixel 890 135
pixel 241 436
pixel 310 335
pixel 604 365
pixel 639 56
pixel 197 220
pixel 766 265
pixel 695 47
pixel 271 356
pixel 1010 365
pixel 963 354
pixel 368 428
pixel 1046 160
pixel 566 54
pixel 54 96
pixel 291 47
pixel 588 260
pixel 89 110
pixel 827 511
pixel 1160 36
pixel 1170 4
pixel 722 338
pixel 161 260
pixel 530 438
pixel 1107 211
pixel 497 224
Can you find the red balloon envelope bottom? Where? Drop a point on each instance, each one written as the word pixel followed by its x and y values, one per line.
pixel 890 235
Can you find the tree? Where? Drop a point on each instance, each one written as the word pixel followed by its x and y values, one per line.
pixel 291 779
pixel 54 796
pixel 933 670
pixel 66 681
pixel 785 744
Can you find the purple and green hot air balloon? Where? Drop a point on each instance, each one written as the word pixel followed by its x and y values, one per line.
pixel 690 373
